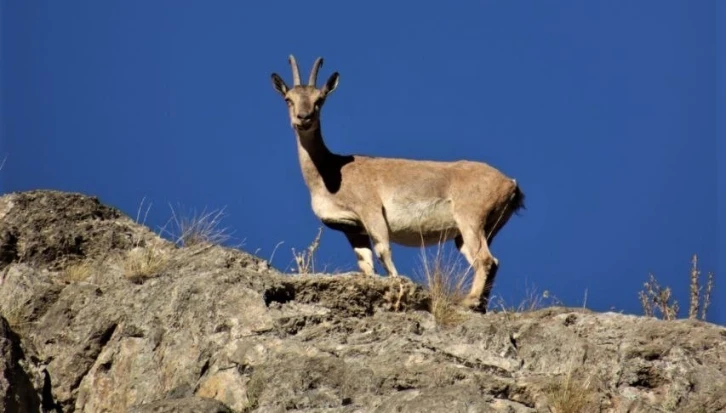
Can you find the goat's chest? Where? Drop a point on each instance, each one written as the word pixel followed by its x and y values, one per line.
pixel 328 209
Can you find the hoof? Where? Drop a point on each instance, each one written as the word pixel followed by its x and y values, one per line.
pixel 473 304
pixel 470 303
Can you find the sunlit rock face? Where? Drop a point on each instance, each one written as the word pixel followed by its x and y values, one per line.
pixel 99 314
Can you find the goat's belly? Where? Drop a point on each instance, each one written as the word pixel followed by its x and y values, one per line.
pixel 427 222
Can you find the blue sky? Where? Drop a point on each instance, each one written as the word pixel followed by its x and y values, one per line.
pixel 607 114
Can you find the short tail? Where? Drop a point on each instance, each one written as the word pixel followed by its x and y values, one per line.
pixel 517 200
pixel 505 211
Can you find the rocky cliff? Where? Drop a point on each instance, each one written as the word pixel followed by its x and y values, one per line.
pixel 101 315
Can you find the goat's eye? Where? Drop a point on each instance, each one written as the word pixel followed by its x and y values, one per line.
pixel 288 101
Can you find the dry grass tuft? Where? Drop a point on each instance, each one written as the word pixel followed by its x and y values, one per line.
pixel 193 229
pixel 146 213
pixel 305 260
pixel 145 260
pixel 447 285
pixel 78 271
pixel 15 315
pixel 142 263
pixel 696 296
pixel 568 395
pixel 655 299
pixel 533 300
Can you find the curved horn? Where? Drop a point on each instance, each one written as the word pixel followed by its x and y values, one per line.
pixel 295 70
pixel 314 73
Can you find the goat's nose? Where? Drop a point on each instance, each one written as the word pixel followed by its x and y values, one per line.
pixel 305 116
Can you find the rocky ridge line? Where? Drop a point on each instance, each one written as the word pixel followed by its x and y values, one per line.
pixel 217 330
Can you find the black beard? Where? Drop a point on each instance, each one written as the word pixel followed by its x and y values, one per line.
pixel 305 128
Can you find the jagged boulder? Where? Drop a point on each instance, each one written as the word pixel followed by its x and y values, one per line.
pixel 17 388
pixel 104 316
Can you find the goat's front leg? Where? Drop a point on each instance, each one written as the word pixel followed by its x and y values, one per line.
pixel 362 247
pixel 377 229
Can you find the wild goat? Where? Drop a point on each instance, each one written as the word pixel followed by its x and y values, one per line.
pixel 408 202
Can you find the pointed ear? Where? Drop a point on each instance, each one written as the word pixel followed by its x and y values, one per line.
pixel 279 84
pixel 331 84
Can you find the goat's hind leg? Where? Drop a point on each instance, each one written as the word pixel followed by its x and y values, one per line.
pixel 473 245
pixel 361 244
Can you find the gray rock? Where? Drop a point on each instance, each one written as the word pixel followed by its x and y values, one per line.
pixel 17 391
pixel 214 329
pixel 185 405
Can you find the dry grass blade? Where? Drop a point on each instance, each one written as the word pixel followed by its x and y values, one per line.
pixel 137 239
pixel 447 283
pixel 272 256
pixel 140 264
pixel 696 296
pixel 305 260
pixel 654 297
pixel 645 301
pixel 197 228
pixel 695 290
pixel 707 296
pixel 533 300
pixel 567 395
pixel 78 272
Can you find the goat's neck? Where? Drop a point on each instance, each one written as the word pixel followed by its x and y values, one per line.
pixel 316 159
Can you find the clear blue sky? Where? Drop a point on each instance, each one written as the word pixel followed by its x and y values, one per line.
pixel 607 113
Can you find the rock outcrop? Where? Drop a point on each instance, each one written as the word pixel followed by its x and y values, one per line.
pixel 101 315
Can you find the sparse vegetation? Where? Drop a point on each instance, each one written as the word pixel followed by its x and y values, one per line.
pixel 193 229
pixel 446 283
pixel 568 395
pixel 15 315
pixel 447 279
pixel 305 260
pixel 698 300
pixel 138 216
pixel 533 300
pixel 144 260
pixel 292 333
pixel 658 300
pixel 655 298
pixel 77 271
pixel 272 256
pixel 141 263
pixel 148 259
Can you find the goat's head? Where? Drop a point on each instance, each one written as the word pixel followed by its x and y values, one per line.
pixel 305 101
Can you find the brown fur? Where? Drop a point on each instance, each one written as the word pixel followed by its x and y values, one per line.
pixel 408 202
